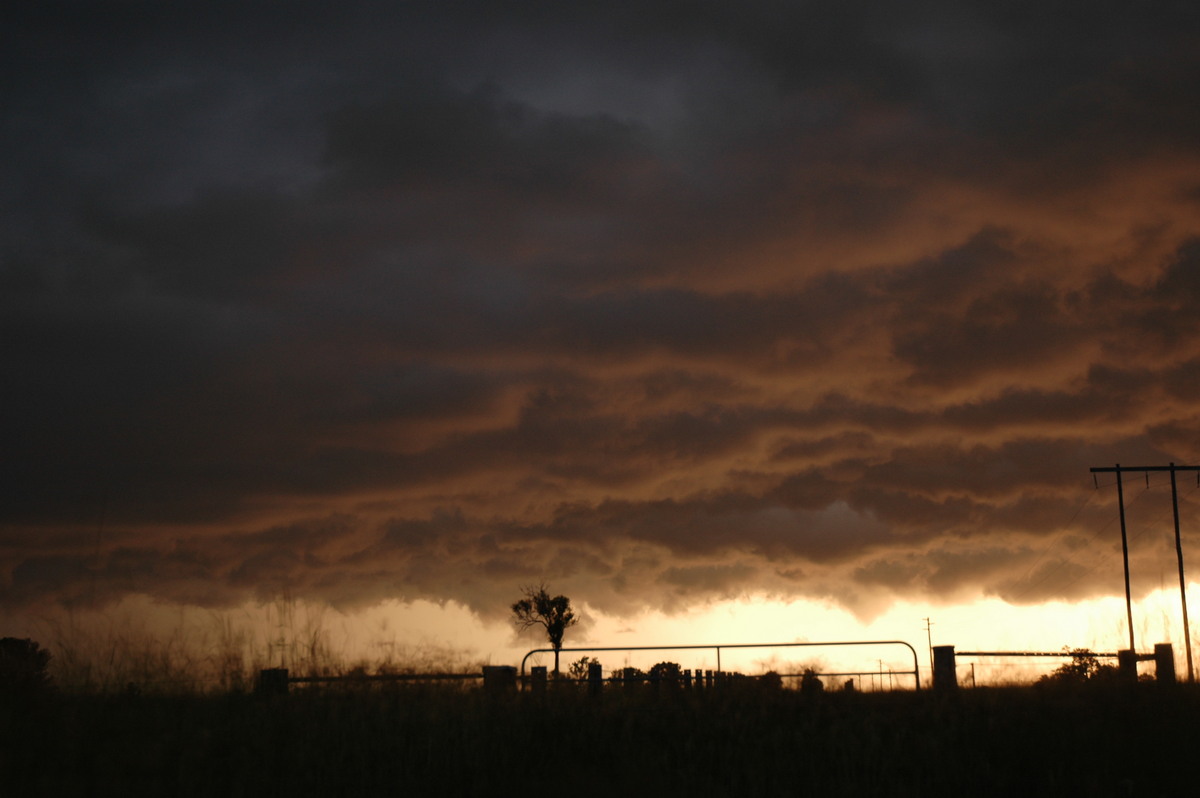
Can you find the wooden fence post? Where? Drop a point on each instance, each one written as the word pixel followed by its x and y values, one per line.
pixel 945 669
pixel 595 678
pixel 273 681
pixel 1127 660
pixel 1164 663
pixel 499 678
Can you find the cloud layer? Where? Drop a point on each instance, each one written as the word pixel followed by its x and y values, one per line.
pixel 435 300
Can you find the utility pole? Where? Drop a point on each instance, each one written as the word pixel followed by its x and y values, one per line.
pixel 1187 636
pixel 1125 556
pixel 929 637
pixel 1172 468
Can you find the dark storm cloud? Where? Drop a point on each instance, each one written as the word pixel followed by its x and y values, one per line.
pixel 431 299
pixel 444 141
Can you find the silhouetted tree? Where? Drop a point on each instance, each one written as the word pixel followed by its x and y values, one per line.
pixel 810 683
pixel 538 608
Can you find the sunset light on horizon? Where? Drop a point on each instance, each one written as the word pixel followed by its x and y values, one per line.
pixel 759 322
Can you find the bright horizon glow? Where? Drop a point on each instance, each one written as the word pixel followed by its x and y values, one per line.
pixel 432 636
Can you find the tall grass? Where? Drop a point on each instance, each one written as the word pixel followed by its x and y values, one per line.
pixel 218 652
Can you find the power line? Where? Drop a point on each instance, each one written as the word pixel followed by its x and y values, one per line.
pixel 1102 557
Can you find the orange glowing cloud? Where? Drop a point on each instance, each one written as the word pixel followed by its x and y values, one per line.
pixel 677 315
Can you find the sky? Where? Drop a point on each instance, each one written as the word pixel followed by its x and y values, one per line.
pixel 684 311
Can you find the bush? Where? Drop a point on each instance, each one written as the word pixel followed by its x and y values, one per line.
pixel 629 674
pixel 1084 667
pixel 666 672
pixel 810 683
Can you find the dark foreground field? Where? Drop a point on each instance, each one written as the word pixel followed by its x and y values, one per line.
pixel 741 740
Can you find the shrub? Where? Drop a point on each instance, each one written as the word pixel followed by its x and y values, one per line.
pixel 629 674
pixel 666 672
pixel 1084 667
pixel 810 683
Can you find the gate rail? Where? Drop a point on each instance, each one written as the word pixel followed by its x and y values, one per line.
pixel 915 672
pixel 1059 654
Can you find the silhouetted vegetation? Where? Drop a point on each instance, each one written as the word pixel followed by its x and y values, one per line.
pixel 224 653
pixel 666 672
pixel 744 736
pixel 810 683
pixel 539 608
pixel 629 674
pixel 738 739
pixel 1083 668
pixel 579 668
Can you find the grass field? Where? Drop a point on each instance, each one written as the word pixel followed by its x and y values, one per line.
pixel 743 739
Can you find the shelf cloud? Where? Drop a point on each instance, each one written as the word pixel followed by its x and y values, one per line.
pixel 430 300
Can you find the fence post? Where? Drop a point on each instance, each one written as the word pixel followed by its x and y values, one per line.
pixel 273 681
pixel 595 678
pixel 945 669
pixel 1164 663
pixel 499 678
pixel 1127 664
pixel 538 679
